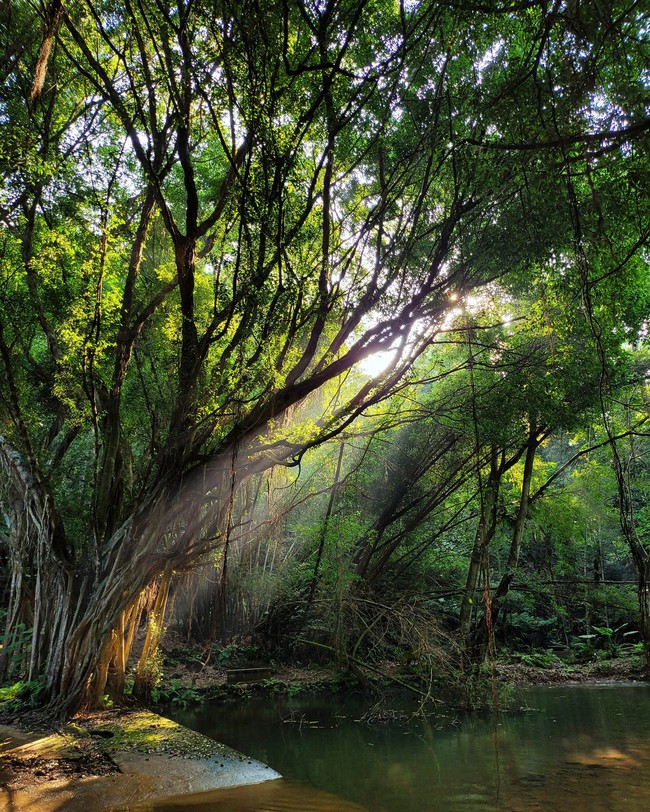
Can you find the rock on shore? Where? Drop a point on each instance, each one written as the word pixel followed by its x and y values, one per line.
pixel 104 760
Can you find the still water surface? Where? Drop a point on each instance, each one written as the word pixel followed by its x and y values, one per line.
pixel 575 749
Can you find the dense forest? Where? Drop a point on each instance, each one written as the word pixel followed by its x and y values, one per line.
pixel 323 324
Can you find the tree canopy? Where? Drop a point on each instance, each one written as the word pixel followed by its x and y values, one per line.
pixel 212 212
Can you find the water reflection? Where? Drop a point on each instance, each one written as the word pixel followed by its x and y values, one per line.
pixel 272 796
pixel 576 748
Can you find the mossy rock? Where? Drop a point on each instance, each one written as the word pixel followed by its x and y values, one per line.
pixel 146 732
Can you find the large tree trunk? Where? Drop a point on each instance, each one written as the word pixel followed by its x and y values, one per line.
pixel 172 530
pixel 36 547
pixel 81 677
pixel 146 672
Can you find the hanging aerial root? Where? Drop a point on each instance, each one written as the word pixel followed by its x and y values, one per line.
pixel 53 15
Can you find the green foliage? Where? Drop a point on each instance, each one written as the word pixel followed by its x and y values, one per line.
pixel 151 672
pixel 8 692
pixel 184 655
pixel 22 695
pixel 177 694
pixel 539 659
pixel 205 230
pixel 238 654
pixel 15 646
pixel 481 693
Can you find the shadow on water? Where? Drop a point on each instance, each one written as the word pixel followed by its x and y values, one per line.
pixel 576 749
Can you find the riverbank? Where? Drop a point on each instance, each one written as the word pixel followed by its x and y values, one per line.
pixel 555 671
pixel 104 760
pixel 191 681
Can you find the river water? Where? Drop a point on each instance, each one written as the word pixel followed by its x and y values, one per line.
pixel 569 749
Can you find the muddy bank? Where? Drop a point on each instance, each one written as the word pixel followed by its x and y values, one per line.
pixel 103 760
